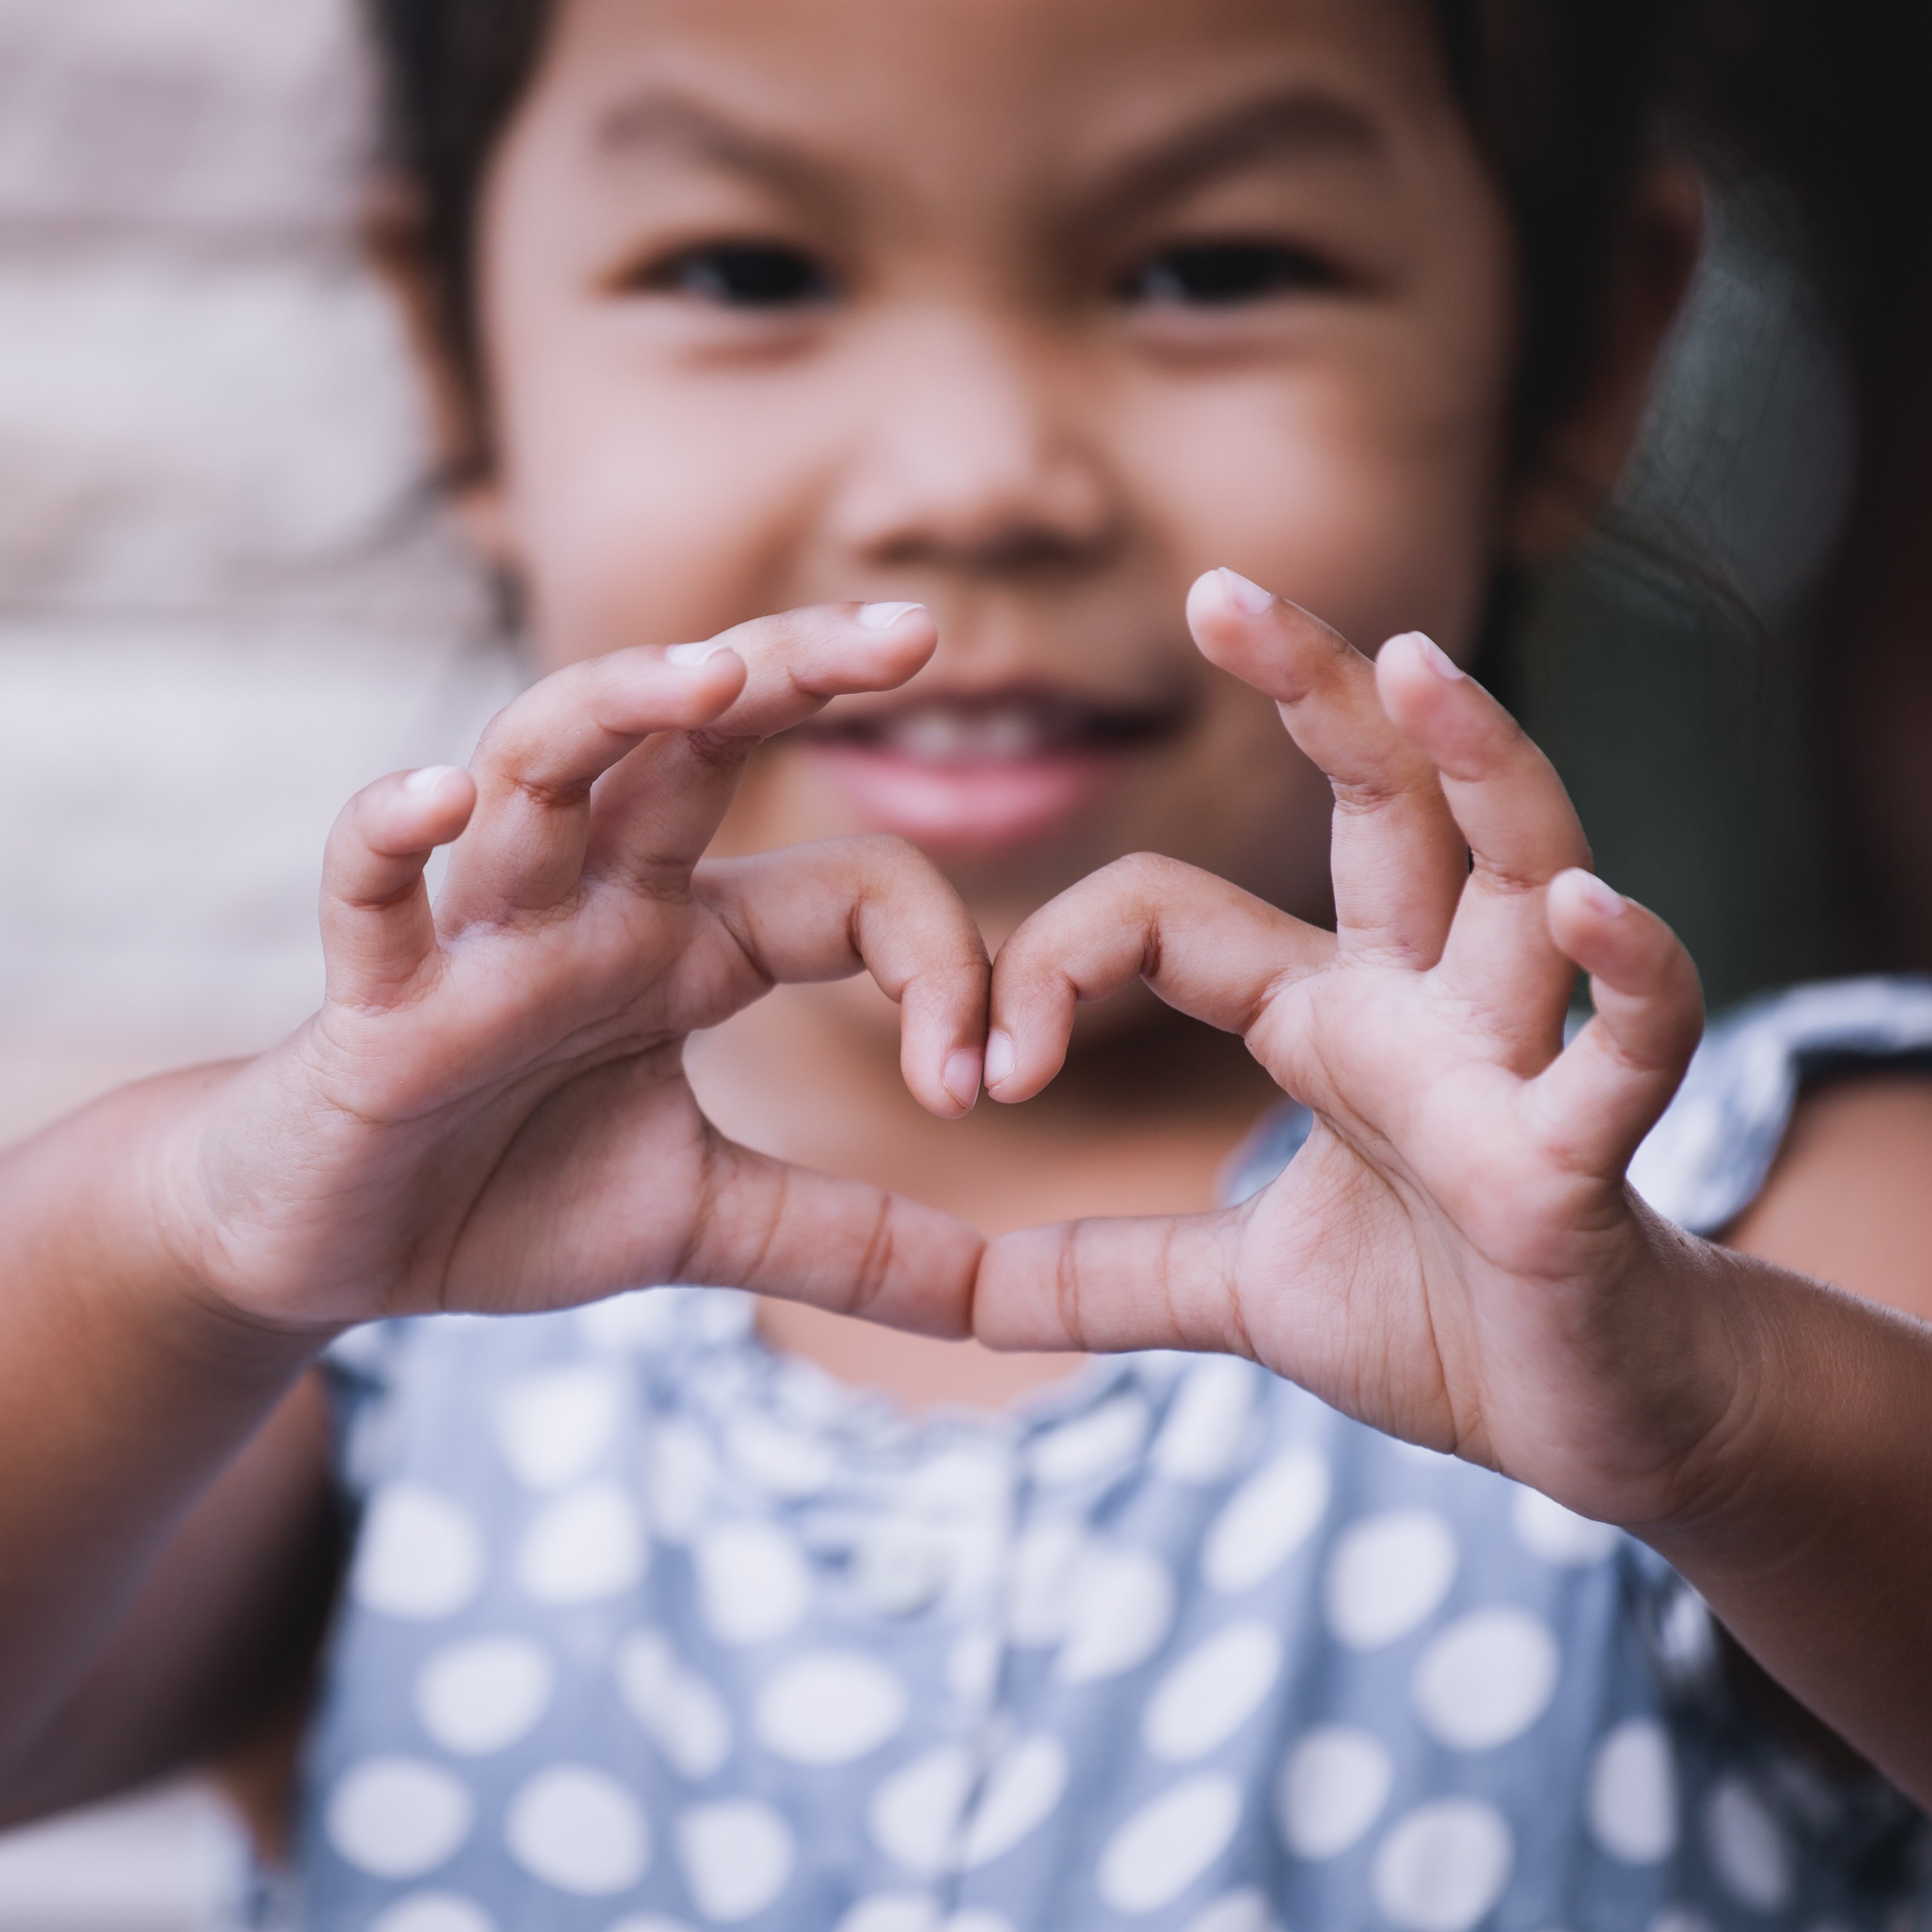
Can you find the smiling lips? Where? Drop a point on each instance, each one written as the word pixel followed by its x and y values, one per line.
pixel 979 771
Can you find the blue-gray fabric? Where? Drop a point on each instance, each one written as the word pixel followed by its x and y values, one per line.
pixel 649 1628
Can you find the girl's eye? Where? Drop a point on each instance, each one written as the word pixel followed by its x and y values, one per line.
pixel 743 275
pixel 1217 274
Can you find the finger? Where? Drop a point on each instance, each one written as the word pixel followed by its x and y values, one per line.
pixel 377 929
pixel 1207 948
pixel 1398 858
pixel 542 754
pixel 657 811
pixel 842 1245
pixel 1600 1097
pixel 878 905
pixel 1522 831
pixel 1105 1286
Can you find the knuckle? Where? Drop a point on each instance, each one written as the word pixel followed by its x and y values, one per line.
pixel 1146 874
pixel 716 751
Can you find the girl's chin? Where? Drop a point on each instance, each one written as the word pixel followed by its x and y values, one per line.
pixel 982 811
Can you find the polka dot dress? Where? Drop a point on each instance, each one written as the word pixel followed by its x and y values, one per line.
pixel 648 1630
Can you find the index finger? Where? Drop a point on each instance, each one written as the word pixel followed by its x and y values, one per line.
pixel 659 810
pixel 1397 857
pixel 542 753
pixel 1522 829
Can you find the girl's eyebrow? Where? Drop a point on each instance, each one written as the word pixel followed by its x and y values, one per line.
pixel 1296 123
pixel 663 121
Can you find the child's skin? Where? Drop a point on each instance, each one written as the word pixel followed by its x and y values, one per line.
pixel 992 402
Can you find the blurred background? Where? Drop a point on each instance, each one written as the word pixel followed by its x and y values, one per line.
pixel 225 602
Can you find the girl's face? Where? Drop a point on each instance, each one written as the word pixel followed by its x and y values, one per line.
pixel 1030 310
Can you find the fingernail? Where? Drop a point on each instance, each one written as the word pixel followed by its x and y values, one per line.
pixel 1246 596
pixel 962 1076
pixel 883 616
pixel 1001 1057
pixel 694 654
pixel 1433 655
pixel 421 784
pixel 1600 897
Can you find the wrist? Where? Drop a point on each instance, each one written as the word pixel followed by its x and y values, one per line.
pixel 124 1230
pixel 1817 1408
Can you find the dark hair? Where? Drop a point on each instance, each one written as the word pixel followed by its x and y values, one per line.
pixel 1563 95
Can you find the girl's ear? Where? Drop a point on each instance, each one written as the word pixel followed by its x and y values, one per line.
pixel 1584 455
pixel 393 240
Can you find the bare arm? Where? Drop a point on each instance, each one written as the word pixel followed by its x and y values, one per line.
pixel 165 1527
pixel 1850 1199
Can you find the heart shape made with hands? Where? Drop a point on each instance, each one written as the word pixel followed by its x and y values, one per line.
pixel 490 1112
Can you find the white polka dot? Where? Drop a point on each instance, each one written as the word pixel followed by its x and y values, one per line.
pixel 419 1556
pixel 1332 1787
pixel 973 1666
pixel 1386 1575
pixel 1212 1692
pixel 969 1481
pixel 752 1582
pixel 978 1919
pixel 914 1815
pixel 1099 1443
pixel 396 1817
pixel 1674 1918
pixel 1044 1561
pixel 1020 1790
pixel 680 1480
pixel 480 1696
pixel 1165 1846
pixel 1558 1535
pixel 583 1548
pixel 578 1830
pixel 1265 1521
pixel 678 1711
pixel 898 1566
pixel 1118 1614
pixel 1245 1911
pixel 830 1708
pixel 1486 1679
pixel 1748 1848
pixel 434 1911
pixel 782 1461
pixel 1632 1800
pixel 737 1856
pixel 892 1912
pixel 644 1318
pixel 1208 1424
pixel 551 1427
pixel 1444 1867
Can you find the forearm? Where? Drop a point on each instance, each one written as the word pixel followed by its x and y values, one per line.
pixel 1812 1538
pixel 124 1388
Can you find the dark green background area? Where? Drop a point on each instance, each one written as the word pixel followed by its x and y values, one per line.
pixel 1664 675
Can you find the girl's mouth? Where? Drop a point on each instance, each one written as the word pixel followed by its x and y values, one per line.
pixel 975 771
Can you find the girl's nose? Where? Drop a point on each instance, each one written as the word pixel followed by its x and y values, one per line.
pixel 974 459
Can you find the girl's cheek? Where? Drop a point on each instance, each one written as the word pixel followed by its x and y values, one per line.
pixel 638 525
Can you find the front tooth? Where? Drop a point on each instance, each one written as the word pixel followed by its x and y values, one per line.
pixel 933 737
pixel 1010 734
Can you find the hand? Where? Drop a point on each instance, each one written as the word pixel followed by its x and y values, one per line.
pixel 1454 1257
pixel 490 1112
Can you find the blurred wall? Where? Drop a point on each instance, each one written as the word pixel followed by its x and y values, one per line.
pixel 222 605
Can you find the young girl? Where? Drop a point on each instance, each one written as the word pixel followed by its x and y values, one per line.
pixel 1011 318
